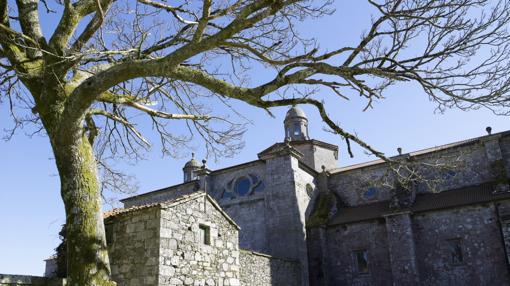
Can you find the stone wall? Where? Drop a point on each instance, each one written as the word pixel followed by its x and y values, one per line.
pixel 263 270
pixel 401 248
pixel 285 212
pixel 315 156
pixel 415 248
pixel 483 254
pixel 343 240
pixel 503 213
pixel 161 195
pixel 250 214
pixel 247 211
pixel 325 157
pixel 188 241
pixel 185 258
pixel 468 164
pixel 505 150
pixel 133 242
pixel 19 280
pixel 271 221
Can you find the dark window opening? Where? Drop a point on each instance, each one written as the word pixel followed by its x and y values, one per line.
pixel 361 260
pixel 205 234
pixel 297 129
pixel 455 251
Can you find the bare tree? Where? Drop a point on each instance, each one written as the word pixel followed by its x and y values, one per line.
pixel 107 62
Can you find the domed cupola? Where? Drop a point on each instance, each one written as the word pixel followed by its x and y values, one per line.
pixel 191 169
pixel 296 125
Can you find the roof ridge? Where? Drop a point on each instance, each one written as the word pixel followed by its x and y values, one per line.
pixel 418 152
pixel 171 203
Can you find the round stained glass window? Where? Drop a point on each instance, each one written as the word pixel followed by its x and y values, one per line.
pixel 371 193
pixel 242 186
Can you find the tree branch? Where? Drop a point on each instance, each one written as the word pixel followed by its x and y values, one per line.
pixel 133 102
pixel 202 23
pixel 173 10
pixel 122 121
pixel 90 89
pixel 30 25
pixel 72 15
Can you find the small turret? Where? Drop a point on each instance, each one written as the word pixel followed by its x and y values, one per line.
pixel 191 169
pixel 296 125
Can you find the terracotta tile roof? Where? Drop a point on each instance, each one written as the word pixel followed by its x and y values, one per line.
pixel 170 203
pixel 424 202
pixel 118 211
pixel 167 203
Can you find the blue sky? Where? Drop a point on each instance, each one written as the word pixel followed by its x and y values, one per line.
pixel 31 211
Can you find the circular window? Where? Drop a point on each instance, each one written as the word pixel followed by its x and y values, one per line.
pixel 370 193
pixel 242 186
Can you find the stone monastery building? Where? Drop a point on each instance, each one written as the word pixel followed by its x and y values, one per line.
pixel 293 217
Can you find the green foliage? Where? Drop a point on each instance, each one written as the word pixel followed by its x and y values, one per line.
pixel 322 209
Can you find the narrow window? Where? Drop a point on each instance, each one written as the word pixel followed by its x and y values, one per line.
pixel 455 251
pixel 361 261
pixel 297 129
pixel 205 234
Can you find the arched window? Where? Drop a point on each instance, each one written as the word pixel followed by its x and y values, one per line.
pixel 297 128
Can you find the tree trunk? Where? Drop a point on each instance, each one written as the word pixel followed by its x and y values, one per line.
pixel 87 256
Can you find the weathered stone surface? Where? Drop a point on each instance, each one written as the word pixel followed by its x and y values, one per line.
pixel 179 252
pixel 263 270
pixel 338 264
pixel 468 165
pixel 12 280
pixel 404 245
pixel 192 261
pixel 402 249
pixel 161 195
pixel 482 247
pixel 133 242
pixel 249 212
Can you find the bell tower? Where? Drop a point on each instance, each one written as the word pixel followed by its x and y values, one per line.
pixel 191 169
pixel 296 125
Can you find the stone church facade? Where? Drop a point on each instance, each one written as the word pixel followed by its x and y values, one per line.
pixel 293 217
